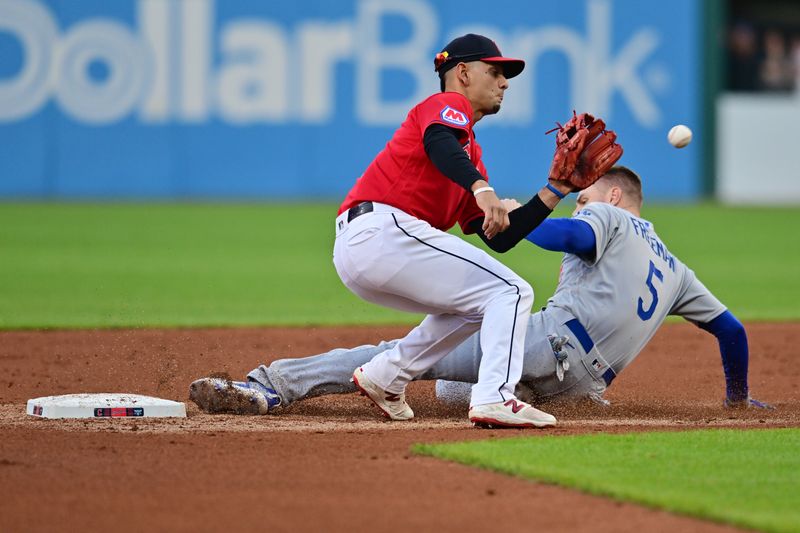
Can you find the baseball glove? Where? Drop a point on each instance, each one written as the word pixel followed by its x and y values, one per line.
pixel 585 150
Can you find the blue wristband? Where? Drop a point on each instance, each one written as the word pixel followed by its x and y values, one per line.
pixel 555 191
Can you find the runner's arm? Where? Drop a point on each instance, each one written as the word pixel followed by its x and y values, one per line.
pixel 732 338
pixel 564 235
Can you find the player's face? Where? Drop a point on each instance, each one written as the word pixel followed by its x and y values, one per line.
pixel 598 192
pixel 487 86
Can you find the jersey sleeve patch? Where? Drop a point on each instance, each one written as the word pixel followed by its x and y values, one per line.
pixel 454 116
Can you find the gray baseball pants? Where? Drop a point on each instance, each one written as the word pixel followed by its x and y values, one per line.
pixel 330 372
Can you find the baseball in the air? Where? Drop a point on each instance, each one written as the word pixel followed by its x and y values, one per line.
pixel 679 136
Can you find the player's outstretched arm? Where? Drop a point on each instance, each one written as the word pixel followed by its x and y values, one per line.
pixel 523 220
pixel 732 338
pixel 499 229
pixel 564 235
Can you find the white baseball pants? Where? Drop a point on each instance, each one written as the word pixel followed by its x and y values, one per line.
pixel 392 259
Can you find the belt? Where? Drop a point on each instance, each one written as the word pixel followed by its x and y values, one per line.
pixel 587 344
pixel 344 218
pixel 361 209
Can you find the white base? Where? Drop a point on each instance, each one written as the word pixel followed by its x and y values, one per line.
pixel 104 405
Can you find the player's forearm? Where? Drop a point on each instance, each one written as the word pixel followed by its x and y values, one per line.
pixel 448 156
pixel 564 235
pixel 523 220
pixel 732 339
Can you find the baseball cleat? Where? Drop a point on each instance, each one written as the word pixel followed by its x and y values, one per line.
pixel 510 414
pixel 219 395
pixel 393 406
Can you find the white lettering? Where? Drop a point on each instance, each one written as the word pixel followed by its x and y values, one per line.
pixel 604 74
pixel 37 32
pixel 321 47
pixel 154 23
pixel 254 78
pixel 374 56
pixel 196 39
pixel 126 62
pixel 176 66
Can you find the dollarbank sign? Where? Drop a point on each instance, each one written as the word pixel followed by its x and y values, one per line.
pixel 234 98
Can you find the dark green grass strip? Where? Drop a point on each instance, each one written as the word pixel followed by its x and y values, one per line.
pixel 745 478
pixel 132 265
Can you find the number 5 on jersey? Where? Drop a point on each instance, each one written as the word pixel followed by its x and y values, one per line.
pixel 647 314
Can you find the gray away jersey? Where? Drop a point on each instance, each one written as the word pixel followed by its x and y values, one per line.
pixel 623 294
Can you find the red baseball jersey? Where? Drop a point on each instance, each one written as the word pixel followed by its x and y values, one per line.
pixel 402 175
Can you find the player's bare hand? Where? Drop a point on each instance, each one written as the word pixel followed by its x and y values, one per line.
pixel 749 403
pixel 511 204
pixel 494 212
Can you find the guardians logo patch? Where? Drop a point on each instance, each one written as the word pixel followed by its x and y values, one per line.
pixel 452 116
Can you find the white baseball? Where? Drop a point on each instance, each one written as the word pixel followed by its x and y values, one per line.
pixel 679 136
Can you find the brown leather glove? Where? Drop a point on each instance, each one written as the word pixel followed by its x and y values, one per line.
pixel 585 150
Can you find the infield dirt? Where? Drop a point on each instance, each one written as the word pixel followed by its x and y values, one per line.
pixel 331 463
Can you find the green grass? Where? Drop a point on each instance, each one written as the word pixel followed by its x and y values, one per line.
pixel 748 257
pixel 109 265
pixel 746 478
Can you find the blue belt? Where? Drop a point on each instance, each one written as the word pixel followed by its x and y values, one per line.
pixel 587 344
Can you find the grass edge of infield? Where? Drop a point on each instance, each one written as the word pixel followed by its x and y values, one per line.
pixel 464 453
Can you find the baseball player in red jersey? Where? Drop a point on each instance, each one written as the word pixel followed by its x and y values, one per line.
pixel 392 247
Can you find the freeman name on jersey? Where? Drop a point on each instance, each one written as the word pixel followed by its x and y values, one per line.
pixel 641 229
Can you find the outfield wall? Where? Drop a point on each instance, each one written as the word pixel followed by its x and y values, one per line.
pixel 197 98
pixel 757 138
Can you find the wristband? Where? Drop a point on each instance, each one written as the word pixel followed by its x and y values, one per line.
pixel 482 189
pixel 555 191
